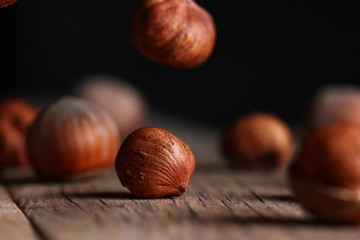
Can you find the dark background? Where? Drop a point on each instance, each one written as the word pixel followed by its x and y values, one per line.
pixel 270 55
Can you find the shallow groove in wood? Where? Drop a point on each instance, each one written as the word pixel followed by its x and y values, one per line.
pixel 218 204
pixel 14 224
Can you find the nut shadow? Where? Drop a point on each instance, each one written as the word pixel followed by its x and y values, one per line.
pixel 104 195
pixel 34 180
pixel 278 198
pixel 111 195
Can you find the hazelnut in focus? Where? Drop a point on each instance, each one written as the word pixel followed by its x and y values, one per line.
pixel 258 141
pixel 121 100
pixel 326 176
pixel 5 3
pixel 334 104
pixel 71 137
pixel 15 117
pixel 153 163
pixel 178 33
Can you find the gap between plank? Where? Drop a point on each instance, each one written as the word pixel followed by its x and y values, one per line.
pixel 39 234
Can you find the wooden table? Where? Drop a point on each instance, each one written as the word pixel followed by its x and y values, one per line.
pixel 220 203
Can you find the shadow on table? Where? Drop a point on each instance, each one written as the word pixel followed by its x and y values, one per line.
pixel 269 221
pixel 278 198
pixel 27 176
pixel 104 195
pixel 111 195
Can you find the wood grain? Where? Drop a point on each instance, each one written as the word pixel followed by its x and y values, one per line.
pixel 13 223
pixel 220 203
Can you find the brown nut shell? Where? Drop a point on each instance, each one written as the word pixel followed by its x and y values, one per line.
pixel 177 33
pixel 5 3
pixel 327 202
pixel 326 176
pixel 71 136
pixel 153 163
pixel 331 155
pixel 15 117
pixel 258 141
pixel 121 100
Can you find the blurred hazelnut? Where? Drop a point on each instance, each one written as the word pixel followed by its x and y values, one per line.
pixel 334 104
pixel 153 163
pixel 122 101
pixel 258 140
pixel 15 117
pixel 326 176
pixel 71 137
pixel 177 33
pixel 5 3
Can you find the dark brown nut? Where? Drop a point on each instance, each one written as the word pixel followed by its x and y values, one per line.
pixel 153 163
pixel 15 117
pixel 177 33
pixel 326 176
pixel 70 137
pixel 259 141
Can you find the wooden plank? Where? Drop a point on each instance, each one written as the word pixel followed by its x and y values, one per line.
pixel 273 200
pixel 13 223
pixel 219 204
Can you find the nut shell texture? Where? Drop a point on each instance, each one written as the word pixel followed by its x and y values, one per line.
pixel 154 163
pixel 15 117
pixel 5 3
pixel 71 136
pixel 177 33
pixel 259 141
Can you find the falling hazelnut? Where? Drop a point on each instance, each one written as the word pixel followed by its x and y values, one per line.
pixel 120 99
pixel 15 117
pixel 326 176
pixel 71 137
pixel 5 3
pixel 334 104
pixel 177 33
pixel 153 163
pixel 258 141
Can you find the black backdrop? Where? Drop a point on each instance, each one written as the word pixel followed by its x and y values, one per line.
pixel 270 55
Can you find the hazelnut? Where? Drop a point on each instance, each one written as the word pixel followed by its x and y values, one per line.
pixel 70 137
pixel 153 163
pixel 124 102
pixel 5 3
pixel 259 141
pixel 15 117
pixel 326 176
pixel 177 33
pixel 334 104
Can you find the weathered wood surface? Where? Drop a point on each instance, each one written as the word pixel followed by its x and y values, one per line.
pixel 220 204
pixel 13 223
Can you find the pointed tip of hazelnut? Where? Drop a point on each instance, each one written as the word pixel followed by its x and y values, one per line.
pixel 183 187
